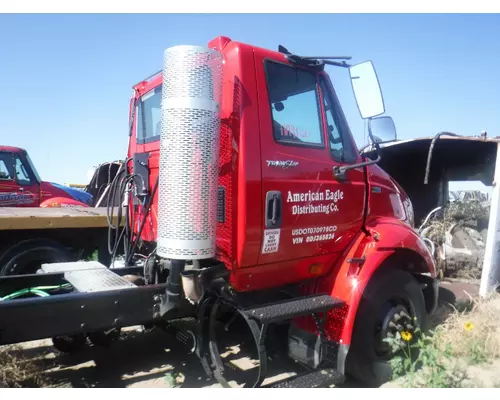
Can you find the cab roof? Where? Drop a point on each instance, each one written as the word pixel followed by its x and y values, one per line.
pixel 12 149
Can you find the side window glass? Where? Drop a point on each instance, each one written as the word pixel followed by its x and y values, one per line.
pixel 22 175
pixel 149 107
pixel 4 171
pixel 341 149
pixel 149 116
pixel 294 105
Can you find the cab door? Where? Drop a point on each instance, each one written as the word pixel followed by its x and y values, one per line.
pixel 308 211
pixel 8 185
pixel 14 190
pixel 28 183
pixel 146 150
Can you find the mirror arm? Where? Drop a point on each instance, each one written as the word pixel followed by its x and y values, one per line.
pixel 340 172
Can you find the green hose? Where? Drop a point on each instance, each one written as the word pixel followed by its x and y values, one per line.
pixel 25 291
pixel 38 291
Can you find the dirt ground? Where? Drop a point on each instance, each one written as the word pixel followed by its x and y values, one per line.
pixel 138 359
pixel 155 359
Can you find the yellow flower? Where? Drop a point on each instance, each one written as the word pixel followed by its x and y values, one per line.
pixel 468 326
pixel 406 336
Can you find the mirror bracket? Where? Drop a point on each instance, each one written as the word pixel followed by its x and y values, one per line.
pixel 340 173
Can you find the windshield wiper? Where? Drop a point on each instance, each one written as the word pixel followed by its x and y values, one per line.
pixel 318 62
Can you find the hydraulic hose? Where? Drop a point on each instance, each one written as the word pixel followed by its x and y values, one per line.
pixel 39 291
pixel 123 185
pixel 19 293
pixel 120 186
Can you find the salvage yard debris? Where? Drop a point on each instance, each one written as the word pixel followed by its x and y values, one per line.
pixel 459 233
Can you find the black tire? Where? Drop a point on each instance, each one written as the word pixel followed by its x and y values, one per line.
pixel 368 360
pixel 104 338
pixel 70 343
pixel 27 256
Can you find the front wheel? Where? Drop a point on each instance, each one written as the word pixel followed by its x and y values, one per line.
pixel 392 304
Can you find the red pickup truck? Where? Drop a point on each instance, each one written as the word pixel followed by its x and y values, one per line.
pixel 21 186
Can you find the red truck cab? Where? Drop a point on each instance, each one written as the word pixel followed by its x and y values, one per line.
pixel 298 203
pixel 275 142
pixel 21 186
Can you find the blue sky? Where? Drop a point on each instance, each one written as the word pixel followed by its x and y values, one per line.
pixel 67 78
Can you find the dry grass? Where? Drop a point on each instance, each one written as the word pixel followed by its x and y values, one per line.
pixel 474 333
pixel 18 371
pixel 462 351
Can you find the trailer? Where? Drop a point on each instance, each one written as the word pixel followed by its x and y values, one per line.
pixel 32 236
pixel 246 198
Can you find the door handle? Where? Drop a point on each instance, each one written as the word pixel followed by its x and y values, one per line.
pixel 274 215
pixel 274 207
pixel 21 189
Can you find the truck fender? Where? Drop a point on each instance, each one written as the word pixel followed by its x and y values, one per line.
pixel 368 254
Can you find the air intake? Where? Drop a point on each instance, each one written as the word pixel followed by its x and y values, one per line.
pixel 189 153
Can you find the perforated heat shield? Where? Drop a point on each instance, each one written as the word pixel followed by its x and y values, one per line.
pixel 189 153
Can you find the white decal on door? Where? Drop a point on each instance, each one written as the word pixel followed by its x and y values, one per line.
pixel 313 234
pixel 271 241
pixel 282 164
pixel 16 198
pixel 309 197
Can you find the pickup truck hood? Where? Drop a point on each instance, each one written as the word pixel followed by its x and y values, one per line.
pixel 76 194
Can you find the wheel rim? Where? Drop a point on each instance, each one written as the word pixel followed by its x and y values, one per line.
pixel 396 318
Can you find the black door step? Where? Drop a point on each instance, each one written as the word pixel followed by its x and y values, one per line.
pixel 320 378
pixel 290 308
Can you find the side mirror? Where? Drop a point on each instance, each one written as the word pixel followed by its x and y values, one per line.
pixel 382 130
pixel 370 103
pixel 366 89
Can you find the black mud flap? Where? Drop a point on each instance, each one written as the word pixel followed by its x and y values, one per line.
pixel 258 319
